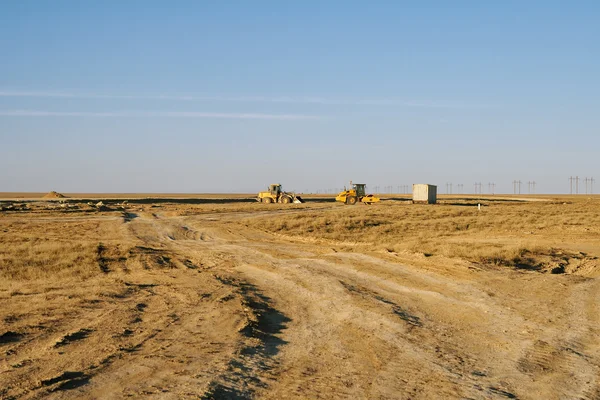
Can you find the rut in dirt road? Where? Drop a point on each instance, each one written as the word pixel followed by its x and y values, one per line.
pixel 357 319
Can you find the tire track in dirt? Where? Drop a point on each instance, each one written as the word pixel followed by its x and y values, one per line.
pixel 257 342
pixel 570 358
pixel 477 372
pixel 245 252
pixel 159 326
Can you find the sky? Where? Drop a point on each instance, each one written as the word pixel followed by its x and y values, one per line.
pixel 216 97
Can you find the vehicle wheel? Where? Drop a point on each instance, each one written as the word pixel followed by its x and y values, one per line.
pixel 267 200
pixel 286 200
pixel 351 200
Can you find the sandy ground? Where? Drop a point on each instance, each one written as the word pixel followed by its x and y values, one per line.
pixel 203 305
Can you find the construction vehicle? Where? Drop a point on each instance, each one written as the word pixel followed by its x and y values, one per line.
pixel 274 194
pixel 356 194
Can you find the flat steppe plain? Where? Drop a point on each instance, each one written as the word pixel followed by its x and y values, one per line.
pixel 221 297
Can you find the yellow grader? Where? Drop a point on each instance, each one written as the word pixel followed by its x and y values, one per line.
pixel 356 194
pixel 274 194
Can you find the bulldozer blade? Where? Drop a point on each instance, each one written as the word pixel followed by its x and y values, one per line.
pixel 298 200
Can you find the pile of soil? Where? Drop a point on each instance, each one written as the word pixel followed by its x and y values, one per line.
pixel 54 195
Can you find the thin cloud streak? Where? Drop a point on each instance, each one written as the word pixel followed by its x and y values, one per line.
pixel 153 114
pixel 245 99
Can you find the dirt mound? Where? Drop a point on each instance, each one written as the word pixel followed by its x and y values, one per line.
pixel 54 195
pixel 556 261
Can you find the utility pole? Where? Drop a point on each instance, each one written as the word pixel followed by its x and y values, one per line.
pixel 448 188
pixel 589 181
pixel 517 184
pixel 571 184
pixel 576 185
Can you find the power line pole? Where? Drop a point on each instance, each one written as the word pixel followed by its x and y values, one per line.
pixel 491 187
pixel 517 184
pixel 571 184
pixel 592 185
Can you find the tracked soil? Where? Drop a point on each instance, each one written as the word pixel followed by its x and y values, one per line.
pixel 204 305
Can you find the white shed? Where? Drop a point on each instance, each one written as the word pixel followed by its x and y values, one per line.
pixel 424 193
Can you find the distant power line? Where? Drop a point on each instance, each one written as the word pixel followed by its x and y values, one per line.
pixel 576 180
pixel 589 182
pixel 517 186
pixel 448 188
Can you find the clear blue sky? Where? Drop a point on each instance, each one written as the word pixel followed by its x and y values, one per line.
pixel 194 96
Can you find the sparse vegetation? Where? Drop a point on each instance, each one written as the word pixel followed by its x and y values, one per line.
pixel 500 234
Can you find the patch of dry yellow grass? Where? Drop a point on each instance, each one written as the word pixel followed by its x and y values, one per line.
pixel 52 246
pixel 35 260
pixel 501 233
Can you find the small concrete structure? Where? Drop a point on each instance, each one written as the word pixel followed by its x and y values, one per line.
pixel 423 193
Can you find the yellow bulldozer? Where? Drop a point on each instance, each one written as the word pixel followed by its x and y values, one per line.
pixel 356 194
pixel 274 194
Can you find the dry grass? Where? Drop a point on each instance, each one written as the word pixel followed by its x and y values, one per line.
pixel 46 244
pixel 504 233
pixel 51 246
pixel 48 260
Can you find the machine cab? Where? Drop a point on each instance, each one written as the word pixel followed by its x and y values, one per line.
pixel 360 189
pixel 275 189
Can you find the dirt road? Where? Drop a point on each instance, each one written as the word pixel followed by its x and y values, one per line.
pixel 206 306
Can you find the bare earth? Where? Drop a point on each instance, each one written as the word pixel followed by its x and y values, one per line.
pixel 244 300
